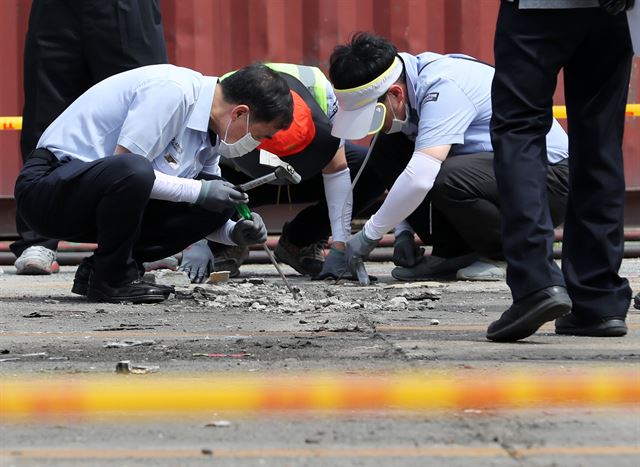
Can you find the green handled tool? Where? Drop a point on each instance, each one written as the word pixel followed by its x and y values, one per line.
pixel 245 213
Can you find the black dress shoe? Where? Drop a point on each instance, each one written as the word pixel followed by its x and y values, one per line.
pixel 526 315
pixel 83 274
pixel 137 291
pixel 572 325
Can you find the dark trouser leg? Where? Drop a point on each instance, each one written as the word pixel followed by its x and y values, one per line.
pixel 101 201
pixel 312 223
pixel 122 35
pixel 69 47
pixel 465 194
pixel 596 87
pixel 522 93
pixel 55 74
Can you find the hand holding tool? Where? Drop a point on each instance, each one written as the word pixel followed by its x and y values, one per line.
pixel 218 195
pixel 358 247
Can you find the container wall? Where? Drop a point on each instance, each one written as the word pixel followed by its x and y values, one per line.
pixel 215 36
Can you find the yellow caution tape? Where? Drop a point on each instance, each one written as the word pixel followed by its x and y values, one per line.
pixel 632 110
pixel 24 399
pixel 10 123
pixel 559 111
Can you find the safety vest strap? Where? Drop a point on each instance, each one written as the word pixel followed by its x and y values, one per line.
pixel 312 78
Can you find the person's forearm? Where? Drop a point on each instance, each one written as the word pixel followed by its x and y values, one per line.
pixel 176 189
pixel 337 190
pixel 406 194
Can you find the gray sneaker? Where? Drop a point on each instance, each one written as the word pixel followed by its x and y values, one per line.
pixel 36 261
pixel 230 258
pixel 483 270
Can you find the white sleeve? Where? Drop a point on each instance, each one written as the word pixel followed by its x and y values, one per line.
pixel 176 189
pixel 406 194
pixel 337 191
pixel 223 234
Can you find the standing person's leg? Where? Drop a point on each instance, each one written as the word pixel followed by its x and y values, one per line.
pixel 121 35
pixel 522 94
pixel 55 74
pixel 596 88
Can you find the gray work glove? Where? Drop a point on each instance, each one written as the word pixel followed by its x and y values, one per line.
pixel 197 261
pixel 219 195
pixel 358 248
pixel 613 7
pixel 249 232
pixel 335 267
pixel 405 251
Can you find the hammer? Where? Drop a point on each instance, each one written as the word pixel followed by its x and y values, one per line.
pixel 282 172
pixel 286 173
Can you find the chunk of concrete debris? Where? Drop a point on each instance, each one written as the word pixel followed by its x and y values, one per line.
pixel 218 424
pixel 434 322
pixel 127 343
pixel 255 280
pixel 398 303
pixel 125 367
pixel 168 277
pixel 218 277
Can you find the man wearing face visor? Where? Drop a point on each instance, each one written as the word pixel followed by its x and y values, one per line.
pixel 132 164
pixel 433 153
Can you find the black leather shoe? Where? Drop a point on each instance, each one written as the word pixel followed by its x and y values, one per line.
pixel 572 325
pixel 137 291
pixel 636 302
pixel 83 274
pixel 526 315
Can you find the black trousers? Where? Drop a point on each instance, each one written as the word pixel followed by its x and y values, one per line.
pixel 70 46
pixel 312 223
pixel 594 49
pixel 107 201
pixel 461 213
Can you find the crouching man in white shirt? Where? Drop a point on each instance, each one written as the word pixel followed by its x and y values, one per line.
pixel 132 165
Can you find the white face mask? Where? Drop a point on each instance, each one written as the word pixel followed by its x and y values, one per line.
pixel 396 124
pixel 243 146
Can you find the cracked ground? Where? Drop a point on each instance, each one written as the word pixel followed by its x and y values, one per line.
pixel 252 326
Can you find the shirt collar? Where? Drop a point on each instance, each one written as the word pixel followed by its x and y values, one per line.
pixel 199 119
pixel 411 76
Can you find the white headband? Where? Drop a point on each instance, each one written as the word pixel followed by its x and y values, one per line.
pixel 357 114
pixel 354 98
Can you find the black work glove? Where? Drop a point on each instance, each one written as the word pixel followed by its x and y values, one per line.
pixel 405 251
pixel 249 232
pixel 613 7
pixel 219 195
